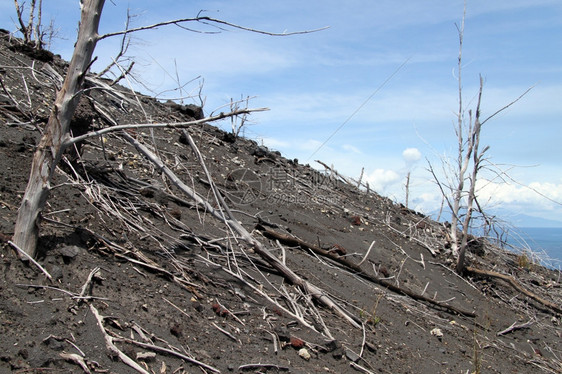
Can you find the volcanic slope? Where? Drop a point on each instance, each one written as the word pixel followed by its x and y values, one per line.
pixel 329 278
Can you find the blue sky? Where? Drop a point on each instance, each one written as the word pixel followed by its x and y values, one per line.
pixel 313 83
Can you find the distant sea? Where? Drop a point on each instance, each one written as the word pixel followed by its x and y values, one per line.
pixel 546 240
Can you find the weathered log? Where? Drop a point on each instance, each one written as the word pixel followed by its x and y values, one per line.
pixel 513 283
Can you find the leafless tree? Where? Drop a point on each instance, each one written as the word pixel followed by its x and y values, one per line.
pixel 407 187
pixel 460 192
pixel 32 29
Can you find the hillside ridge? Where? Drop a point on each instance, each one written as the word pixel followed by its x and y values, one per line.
pixel 145 278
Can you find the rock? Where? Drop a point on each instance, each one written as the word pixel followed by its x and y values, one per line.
pixel 68 252
pixel 259 152
pixel 229 137
pixel 296 342
pixel 352 356
pixel 437 333
pixel 303 352
pixel 332 345
pixel 371 347
pixel 54 343
pixel 55 271
pixel 283 334
pixel 338 353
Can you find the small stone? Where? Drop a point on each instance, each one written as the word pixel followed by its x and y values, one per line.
pixel 437 333
pixel 283 334
pixel 338 353
pixel 296 342
pixel 371 347
pixel 68 252
pixel 352 356
pixel 332 345
pixel 54 343
pixel 303 352
pixel 55 271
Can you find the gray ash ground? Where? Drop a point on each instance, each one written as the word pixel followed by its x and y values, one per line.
pixel 170 275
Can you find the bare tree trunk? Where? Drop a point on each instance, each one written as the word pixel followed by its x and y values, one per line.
pixel 29 29
pixel 51 146
pixel 37 27
pixel 407 185
pixel 473 143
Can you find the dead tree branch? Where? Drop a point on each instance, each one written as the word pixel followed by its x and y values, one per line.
pixel 111 346
pixel 225 216
pixel 203 19
pixel 171 125
pixel 513 283
pixel 294 241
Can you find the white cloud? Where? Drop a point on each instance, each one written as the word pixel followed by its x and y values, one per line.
pixel 381 179
pixel 351 148
pixel 540 194
pixel 411 155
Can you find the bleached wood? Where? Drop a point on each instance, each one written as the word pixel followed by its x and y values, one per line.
pixel 225 216
pixel 52 143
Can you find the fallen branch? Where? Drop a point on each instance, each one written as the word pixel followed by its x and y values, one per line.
pixel 224 332
pixel 294 241
pixel 225 216
pixel 30 258
pixel 89 281
pixel 168 351
pixel 77 359
pixel 514 326
pixel 513 283
pixel 366 254
pixel 111 347
pixel 172 125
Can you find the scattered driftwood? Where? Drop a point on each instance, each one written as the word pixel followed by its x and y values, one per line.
pixel 513 283
pixel 168 351
pixel 111 346
pixel 224 214
pixel 109 341
pixel 293 241
pixel 514 326
pixel 77 359
pixel 426 246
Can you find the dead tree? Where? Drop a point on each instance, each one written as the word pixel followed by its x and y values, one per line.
pixel 460 194
pixel 51 145
pixel 31 30
pixel 56 136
